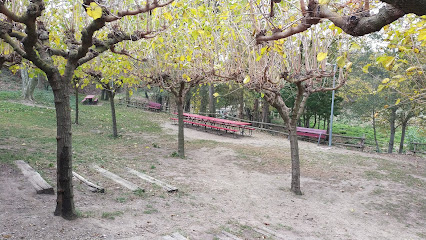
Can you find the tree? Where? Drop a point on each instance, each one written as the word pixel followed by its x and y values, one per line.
pixel 301 63
pixel 354 17
pixel 31 38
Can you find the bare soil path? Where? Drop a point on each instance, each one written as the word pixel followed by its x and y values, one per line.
pixel 235 185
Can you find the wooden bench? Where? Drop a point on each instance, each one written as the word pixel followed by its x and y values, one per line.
pixel 207 125
pixel 312 132
pixel 154 106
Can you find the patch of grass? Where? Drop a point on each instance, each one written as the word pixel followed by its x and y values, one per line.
pixel 174 154
pixel 140 192
pixel 155 145
pixel 84 214
pixel 153 167
pixel 150 210
pixel 111 215
pixel 121 199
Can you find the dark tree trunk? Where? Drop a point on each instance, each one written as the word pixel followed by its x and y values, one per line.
pixel 127 95
pixel 65 196
pixel 392 127
pixel 295 161
pixel 76 104
pixel 204 98
pixel 375 132
pixel 187 107
pixel 241 104
pixel 212 101
pixel 111 96
pixel 256 111
pixel 103 95
pixel 315 120
pixel 181 137
pixel 403 130
pixel 265 113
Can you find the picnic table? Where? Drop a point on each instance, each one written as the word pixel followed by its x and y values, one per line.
pixel 312 132
pixel 90 100
pixel 217 123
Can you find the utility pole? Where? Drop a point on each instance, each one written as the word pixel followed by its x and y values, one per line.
pixel 330 134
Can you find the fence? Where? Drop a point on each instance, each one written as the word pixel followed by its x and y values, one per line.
pixel 338 140
pixel 419 147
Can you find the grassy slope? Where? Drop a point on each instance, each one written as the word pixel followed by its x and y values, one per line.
pixel 28 132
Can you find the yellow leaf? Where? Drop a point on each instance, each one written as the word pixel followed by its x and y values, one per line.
pixel 262 95
pixel 365 68
pixel 188 58
pixel 355 46
pixel 398 101
pixel 182 58
pixel 94 11
pixel 258 58
pixel 321 56
pixel 323 2
pixel 386 106
pixel 216 94
pixel 416 50
pixel 341 61
pixel 246 79
pixel 168 16
pixel 386 80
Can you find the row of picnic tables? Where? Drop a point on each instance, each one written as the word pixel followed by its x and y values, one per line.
pixel 217 123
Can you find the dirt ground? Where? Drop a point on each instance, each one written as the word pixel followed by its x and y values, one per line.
pixel 235 185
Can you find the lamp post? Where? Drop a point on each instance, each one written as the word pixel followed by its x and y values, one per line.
pixel 330 134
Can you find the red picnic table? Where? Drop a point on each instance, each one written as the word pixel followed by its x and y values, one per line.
pixel 90 100
pixel 225 122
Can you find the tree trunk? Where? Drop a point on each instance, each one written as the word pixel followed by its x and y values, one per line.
pixel 241 104
pixel 103 95
pixel 256 111
pixel 181 137
pixel 295 162
pixel 127 95
pixel 212 101
pixel 111 96
pixel 315 120
pixel 76 104
pixel 265 113
pixel 392 120
pixel 28 85
pixel 187 106
pixel 375 132
pixel 65 196
pixel 204 98
pixel 403 130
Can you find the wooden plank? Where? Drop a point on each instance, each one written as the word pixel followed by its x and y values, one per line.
pixel 41 186
pixel 178 236
pixel 268 232
pixel 168 238
pixel 116 178
pixel 150 179
pixel 227 236
pixel 92 187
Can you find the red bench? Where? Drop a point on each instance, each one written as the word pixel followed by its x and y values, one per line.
pixel 154 106
pixel 90 100
pixel 207 125
pixel 312 132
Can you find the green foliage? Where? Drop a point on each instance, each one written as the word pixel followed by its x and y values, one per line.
pixel 413 135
